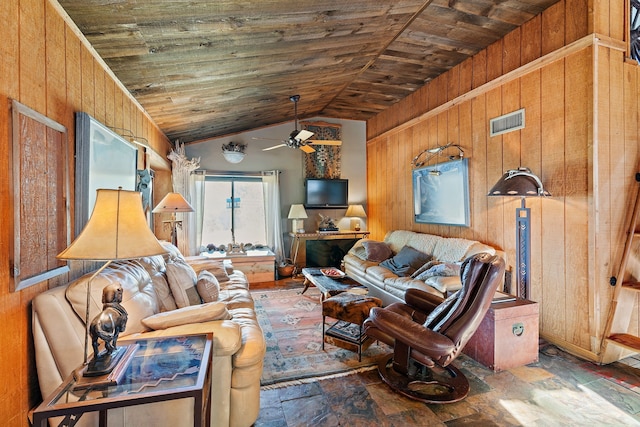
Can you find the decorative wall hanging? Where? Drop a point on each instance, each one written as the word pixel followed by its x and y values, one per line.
pixel 325 162
pixel 441 193
pixel 181 168
pixel 41 219
pixel 104 159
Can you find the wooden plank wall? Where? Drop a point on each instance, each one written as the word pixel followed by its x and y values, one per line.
pixel 45 66
pixel 575 139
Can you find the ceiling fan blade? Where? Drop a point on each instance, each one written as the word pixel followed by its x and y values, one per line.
pixel 257 138
pixel 303 135
pixel 324 142
pixel 274 147
pixel 307 148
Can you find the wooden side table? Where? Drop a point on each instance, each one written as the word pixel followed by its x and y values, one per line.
pixel 173 367
pixel 507 336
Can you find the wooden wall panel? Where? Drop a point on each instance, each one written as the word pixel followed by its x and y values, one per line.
pixel 478 174
pixel 577 22
pixel 531 41
pixel 578 90
pixel 45 66
pixel 631 138
pixel 531 157
pixel 553 28
pixel 12 356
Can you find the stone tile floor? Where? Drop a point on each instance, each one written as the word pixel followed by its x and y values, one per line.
pixel 558 390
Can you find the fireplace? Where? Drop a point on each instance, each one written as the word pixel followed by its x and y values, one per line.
pixel 327 253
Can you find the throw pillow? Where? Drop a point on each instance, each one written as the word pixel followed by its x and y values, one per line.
pixel 217 267
pixel 208 286
pixel 188 315
pixel 406 262
pixel 182 281
pixel 377 251
pixel 360 252
pixel 445 269
pixel 424 268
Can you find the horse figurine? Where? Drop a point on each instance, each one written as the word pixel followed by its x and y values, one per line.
pixel 108 325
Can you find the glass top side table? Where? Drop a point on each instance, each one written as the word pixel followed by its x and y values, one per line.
pixel 161 369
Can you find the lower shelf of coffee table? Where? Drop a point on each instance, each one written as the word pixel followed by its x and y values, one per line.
pixel 334 336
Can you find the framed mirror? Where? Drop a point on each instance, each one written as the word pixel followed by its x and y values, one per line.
pixel 103 160
pixel 441 193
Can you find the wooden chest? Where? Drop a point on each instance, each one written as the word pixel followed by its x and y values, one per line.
pixel 507 336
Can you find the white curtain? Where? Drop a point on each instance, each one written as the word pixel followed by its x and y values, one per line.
pixel 181 169
pixel 273 220
pixel 197 201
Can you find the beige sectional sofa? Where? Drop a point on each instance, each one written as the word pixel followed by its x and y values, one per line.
pixel 151 286
pixel 435 272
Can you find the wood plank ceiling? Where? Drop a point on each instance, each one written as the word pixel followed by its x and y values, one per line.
pixel 208 68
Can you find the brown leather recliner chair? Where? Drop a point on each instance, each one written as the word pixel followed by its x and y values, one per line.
pixel 428 333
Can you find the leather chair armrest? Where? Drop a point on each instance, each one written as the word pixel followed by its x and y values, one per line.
pixel 421 300
pixel 415 335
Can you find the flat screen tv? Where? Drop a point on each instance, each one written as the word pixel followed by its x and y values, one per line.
pixel 326 193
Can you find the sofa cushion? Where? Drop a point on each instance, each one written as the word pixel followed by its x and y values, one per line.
pixel 182 281
pixel 187 315
pixel 138 298
pixel 208 286
pixel 405 262
pixel 454 249
pixel 155 266
pixel 376 251
pixel 398 239
pixel 220 268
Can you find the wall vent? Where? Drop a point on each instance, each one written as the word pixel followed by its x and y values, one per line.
pixel 507 123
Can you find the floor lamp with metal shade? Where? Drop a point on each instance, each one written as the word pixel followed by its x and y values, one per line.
pixel 521 183
pixel 173 203
pixel 117 230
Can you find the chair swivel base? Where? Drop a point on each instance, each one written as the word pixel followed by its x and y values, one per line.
pixel 435 385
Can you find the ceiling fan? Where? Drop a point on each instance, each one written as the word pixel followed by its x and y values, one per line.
pixel 300 138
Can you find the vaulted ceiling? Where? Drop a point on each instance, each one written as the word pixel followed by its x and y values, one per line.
pixel 208 68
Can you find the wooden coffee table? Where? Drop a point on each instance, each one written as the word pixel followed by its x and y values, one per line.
pixel 329 286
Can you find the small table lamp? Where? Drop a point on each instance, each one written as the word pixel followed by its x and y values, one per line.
pixel 521 183
pixel 357 212
pixel 297 214
pixel 116 230
pixel 172 203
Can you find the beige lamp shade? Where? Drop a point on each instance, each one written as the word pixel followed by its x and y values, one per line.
pixel 356 211
pixel 173 202
pixel 116 230
pixel 297 212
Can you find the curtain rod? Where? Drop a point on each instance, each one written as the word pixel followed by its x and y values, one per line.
pixel 232 173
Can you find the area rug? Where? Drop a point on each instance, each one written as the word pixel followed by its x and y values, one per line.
pixel 292 326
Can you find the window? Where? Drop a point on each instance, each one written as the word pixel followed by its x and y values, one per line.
pixel 233 211
pixel 634 29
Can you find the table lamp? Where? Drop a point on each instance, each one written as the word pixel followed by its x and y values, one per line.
pixel 116 230
pixel 297 214
pixel 172 203
pixel 521 183
pixel 356 212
